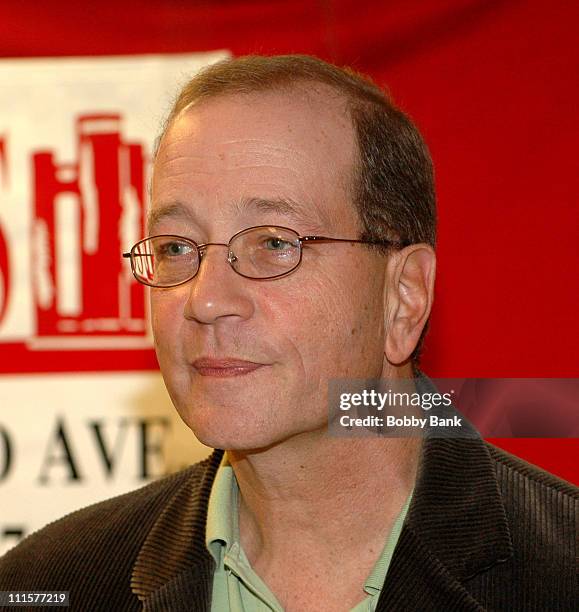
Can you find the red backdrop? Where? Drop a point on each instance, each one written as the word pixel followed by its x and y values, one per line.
pixel 492 86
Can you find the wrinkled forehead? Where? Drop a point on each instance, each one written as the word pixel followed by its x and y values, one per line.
pixel 298 142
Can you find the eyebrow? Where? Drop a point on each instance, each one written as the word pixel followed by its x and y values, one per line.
pixel 175 210
pixel 282 206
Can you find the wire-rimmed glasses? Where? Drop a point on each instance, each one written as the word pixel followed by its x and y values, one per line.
pixel 263 252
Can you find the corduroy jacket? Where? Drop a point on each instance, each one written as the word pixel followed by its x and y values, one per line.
pixel 484 531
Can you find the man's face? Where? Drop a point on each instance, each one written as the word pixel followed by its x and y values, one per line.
pixel 222 167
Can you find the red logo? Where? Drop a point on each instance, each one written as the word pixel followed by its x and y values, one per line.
pixel 85 212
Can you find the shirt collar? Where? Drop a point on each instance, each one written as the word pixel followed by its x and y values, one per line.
pixel 375 580
pixel 221 511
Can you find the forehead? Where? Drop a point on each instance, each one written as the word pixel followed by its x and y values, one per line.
pixel 294 145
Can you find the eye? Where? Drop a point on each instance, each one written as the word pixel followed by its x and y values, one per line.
pixel 174 248
pixel 277 244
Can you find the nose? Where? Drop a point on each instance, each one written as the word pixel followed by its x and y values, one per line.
pixel 217 292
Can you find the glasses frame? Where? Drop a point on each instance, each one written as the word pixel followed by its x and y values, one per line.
pixel 202 248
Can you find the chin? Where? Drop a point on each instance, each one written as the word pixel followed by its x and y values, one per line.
pixel 228 429
pixel 233 442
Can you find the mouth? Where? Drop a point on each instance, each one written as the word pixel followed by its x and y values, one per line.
pixel 225 368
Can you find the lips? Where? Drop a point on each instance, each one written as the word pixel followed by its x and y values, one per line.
pixel 224 367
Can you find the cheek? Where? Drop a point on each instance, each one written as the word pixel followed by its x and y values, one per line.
pixel 166 318
pixel 334 328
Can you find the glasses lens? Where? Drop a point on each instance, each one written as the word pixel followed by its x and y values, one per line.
pixel 165 261
pixel 266 252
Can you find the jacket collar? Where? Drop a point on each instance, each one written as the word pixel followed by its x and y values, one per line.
pixel 173 565
pixel 456 527
pixel 458 511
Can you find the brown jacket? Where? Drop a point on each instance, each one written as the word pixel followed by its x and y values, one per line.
pixel 485 531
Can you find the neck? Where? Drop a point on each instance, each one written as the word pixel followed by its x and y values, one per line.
pixel 311 488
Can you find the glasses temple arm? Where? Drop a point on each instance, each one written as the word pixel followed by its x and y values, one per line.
pixel 327 239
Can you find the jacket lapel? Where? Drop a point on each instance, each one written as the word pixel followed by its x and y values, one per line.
pixel 417 580
pixel 456 528
pixel 189 591
pixel 174 570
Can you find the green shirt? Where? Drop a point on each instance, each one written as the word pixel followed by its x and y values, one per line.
pixel 236 587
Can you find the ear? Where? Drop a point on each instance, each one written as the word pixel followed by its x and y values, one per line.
pixel 408 299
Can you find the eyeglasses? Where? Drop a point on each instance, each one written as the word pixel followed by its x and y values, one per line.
pixel 261 253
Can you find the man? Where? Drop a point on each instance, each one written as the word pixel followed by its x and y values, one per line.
pixel 252 318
